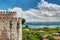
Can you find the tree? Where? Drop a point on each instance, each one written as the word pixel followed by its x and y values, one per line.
pixel 24 35
pixel 39 35
pixel 50 37
pixel 23 20
pixel 26 26
pixel 31 37
pixel 58 29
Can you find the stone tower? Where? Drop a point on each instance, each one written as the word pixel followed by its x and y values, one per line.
pixel 8 26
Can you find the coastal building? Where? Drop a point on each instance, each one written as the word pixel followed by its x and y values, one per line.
pixel 9 26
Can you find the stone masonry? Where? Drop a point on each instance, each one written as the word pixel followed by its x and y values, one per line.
pixel 8 26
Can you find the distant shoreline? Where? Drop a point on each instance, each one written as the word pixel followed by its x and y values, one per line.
pixel 41 26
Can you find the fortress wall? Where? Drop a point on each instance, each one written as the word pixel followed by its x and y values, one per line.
pixel 7 14
pixel 5 32
pixel 5 24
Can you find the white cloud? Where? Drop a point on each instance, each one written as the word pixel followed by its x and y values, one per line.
pixel 49 8
pixel 45 12
pixel 18 10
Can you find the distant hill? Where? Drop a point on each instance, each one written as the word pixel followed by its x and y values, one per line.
pixel 43 23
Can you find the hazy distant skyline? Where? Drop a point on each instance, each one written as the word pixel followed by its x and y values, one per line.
pixel 34 10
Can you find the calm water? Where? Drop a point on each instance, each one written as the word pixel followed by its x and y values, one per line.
pixel 40 26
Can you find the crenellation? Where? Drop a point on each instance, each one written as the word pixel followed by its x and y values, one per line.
pixel 7 15
pixel 7 33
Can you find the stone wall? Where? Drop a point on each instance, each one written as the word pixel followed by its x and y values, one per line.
pixel 8 27
pixel 5 27
pixel 7 15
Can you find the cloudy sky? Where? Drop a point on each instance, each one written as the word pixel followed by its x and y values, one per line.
pixel 34 10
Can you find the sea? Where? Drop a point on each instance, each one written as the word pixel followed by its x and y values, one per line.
pixel 41 26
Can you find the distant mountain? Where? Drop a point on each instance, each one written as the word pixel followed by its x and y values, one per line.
pixel 43 23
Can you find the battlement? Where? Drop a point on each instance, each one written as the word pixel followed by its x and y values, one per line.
pixel 7 15
pixel 10 26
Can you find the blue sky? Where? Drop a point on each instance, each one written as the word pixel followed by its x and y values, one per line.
pixel 32 10
pixel 24 4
